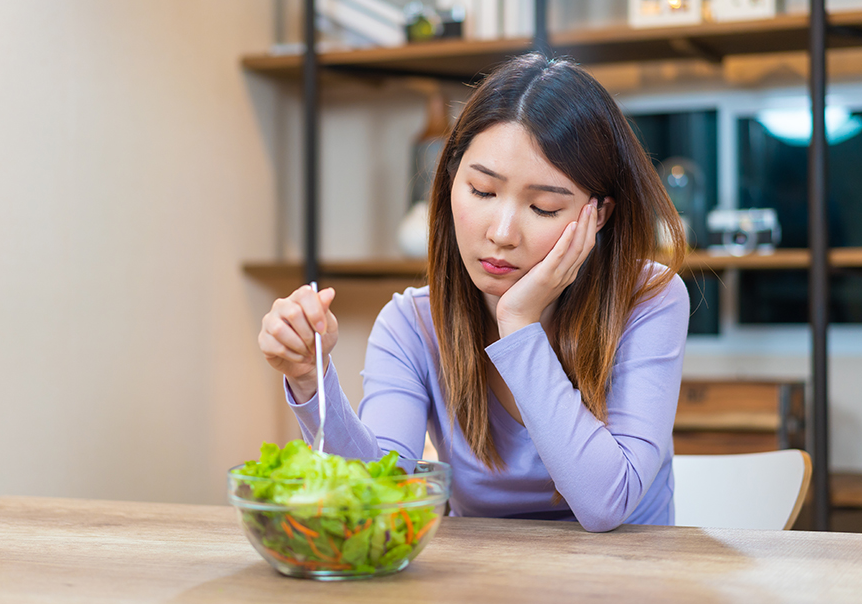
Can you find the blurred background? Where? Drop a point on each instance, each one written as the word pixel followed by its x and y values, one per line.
pixel 142 167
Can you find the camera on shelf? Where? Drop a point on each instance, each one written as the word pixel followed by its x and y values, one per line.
pixel 741 232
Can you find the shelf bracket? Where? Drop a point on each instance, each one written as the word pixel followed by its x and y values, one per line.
pixel 692 48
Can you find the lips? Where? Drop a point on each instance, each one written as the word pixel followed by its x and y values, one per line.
pixel 495 266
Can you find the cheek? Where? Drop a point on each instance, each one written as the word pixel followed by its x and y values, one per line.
pixel 463 219
pixel 544 239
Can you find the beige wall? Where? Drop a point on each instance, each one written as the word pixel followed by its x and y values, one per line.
pixel 139 167
pixel 136 174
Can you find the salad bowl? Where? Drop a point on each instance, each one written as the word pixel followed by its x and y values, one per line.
pixel 321 516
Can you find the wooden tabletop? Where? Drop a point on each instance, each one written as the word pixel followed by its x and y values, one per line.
pixel 67 550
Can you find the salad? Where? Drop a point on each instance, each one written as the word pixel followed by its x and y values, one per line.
pixel 342 514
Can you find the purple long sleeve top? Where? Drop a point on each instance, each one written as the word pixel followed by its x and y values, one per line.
pixel 608 474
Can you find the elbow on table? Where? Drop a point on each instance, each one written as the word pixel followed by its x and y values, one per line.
pixel 606 513
pixel 599 524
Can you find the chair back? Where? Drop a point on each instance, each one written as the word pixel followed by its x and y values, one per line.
pixel 750 490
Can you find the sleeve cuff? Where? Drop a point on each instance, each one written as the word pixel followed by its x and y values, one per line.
pixel 514 341
pixel 330 384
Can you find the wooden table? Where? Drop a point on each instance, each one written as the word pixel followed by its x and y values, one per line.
pixel 66 550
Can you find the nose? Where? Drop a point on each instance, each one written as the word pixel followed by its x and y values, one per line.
pixel 503 229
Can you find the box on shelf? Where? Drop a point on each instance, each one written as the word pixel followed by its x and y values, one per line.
pixel 361 23
pixel 664 13
pixel 589 14
pixel 741 10
pixel 797 7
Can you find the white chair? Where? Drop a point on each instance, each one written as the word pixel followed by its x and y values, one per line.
pixel 750 491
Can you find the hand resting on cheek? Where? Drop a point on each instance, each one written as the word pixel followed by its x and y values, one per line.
pixel 536 291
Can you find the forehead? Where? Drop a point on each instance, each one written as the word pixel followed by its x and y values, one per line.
pixel 510 150
pixel 502 138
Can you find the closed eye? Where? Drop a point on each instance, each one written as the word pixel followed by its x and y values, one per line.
pixel 479 193
pixel 541 212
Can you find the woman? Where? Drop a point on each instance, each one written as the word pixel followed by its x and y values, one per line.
pixel 545 356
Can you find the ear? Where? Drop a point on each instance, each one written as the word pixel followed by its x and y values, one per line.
pixel 606 208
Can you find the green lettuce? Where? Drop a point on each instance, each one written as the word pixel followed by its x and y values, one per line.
pixel 345 515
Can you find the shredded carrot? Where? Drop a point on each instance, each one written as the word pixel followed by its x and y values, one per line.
pixel 392 522
pixel 317 551
pixel 412 480
pixel 281 557
pixel 302 529
pixel 287 529
pixel 335 549
pixel 409 526
pixel 308 564
pixel 347 533
pixel 426 528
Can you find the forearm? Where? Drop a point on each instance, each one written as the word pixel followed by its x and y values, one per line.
pixel 587 464
pixel 602 470
pixel 345 434
pixel 303 388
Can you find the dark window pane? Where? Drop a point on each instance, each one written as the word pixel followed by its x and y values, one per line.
pixel 703 294
pixel 691 136
pixel 782 296
pixel 773 173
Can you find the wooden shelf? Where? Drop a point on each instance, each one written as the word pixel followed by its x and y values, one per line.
pixel 268 272
pixel 463 60
pixel 449 59
pixel 847 257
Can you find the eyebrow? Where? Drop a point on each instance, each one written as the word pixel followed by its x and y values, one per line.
pixel 548 188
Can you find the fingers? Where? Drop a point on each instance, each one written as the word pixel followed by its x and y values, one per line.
pixel 585 236
pixel 274 349
pixel 287 331
pixel 574 245
pixel 326 296
pixel 314 306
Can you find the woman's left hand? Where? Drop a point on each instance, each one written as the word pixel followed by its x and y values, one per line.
pixel 525 301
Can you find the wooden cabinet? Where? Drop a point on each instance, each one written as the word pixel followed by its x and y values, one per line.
pixel 716 417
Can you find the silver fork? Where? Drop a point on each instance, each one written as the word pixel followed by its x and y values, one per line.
pixel 321 395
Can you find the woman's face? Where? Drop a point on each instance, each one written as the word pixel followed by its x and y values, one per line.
pixel 509 205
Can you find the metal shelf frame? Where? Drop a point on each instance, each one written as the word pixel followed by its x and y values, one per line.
pixel 818 236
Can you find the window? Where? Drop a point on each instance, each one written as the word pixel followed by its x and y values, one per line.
pixel 688 139
pixel 773 173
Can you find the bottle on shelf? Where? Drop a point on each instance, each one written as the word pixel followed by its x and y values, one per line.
pixel 413 230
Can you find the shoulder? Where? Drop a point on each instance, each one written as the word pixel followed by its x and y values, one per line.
pixel 671 300
pixel 404 329
pixel 409 310
pixel 413 302
pixel 673 292
pixel 658 324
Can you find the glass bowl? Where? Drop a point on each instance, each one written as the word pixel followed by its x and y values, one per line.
pixel 329 542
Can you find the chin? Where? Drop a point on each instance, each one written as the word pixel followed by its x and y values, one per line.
pixel 492 287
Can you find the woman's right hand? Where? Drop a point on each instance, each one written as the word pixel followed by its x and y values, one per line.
pixel 287 337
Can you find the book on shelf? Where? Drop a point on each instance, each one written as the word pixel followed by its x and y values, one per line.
pixel 519 18
pixel 362 22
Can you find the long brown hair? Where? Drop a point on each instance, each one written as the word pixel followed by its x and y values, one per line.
pixel 582 132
